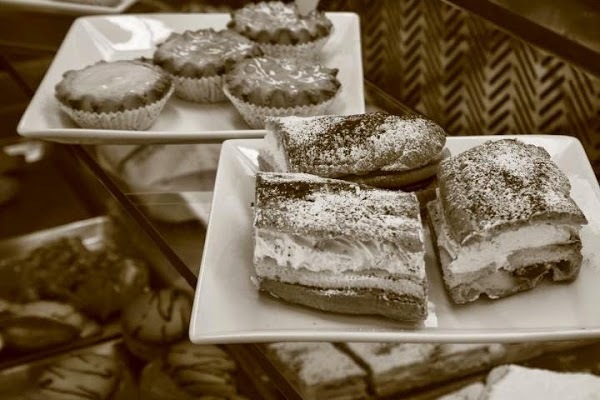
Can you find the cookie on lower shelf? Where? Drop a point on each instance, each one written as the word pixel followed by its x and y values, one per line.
pixel 319 370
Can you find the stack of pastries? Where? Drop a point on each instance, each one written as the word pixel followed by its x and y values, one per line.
pixel 337 225
pixel 265 62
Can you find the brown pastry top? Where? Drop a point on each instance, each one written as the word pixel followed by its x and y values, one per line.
pixel 309 205
pixel 203 53
pixel 113 86
pixel 338 145
pixel 502 184
pixel 275 22
pixel 282 82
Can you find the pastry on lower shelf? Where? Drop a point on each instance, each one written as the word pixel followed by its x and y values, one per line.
pixel 197 61
pixel 469 392
pixel 399 367
pixel 504 220
pixel 155 320
pixel 126 95
pixel 83 376
pixel 188 372
pixel 377 149
pixel 280 30
pixel 516 382
pixel 267 86
pixel 319 370
pixel 339 246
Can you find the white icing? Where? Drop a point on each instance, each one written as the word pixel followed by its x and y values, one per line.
pixel 110 80
pixel 317 363
pixel 495 250
pixel 515 382
pixel 268 269
pixel 337 254
pixel 272 147
pixel 385 357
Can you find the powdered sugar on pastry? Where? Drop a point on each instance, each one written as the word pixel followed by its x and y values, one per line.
pixel 337 145
pixel 316 362
pixel 501 184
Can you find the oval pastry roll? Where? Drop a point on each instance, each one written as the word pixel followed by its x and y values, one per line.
pixel 268 86
pixel 125 95
pixel 280 30
pixel 377 149
pixel 197 60
pixel 155 320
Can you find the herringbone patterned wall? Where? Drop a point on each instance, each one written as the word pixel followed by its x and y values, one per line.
pixel 469 76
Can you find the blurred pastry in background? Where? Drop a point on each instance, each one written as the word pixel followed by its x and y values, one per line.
pixel 155 320
pixel 197 61
pixel 319 370
pixel 268 86
pixel 377 149
pixel 127 95
pixel 188 371
pixel 103 3
pixel 280 30
pixel 469 392
pixel 99 283
pixel 83 376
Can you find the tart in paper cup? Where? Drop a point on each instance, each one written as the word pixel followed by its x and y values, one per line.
pixel 255 115
pixel 199 90
pixel 310 50
pixel 138 119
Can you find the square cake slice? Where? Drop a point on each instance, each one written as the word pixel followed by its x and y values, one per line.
pixel 504 219
pixel 396 368
pixel 339 246
pixel 319 370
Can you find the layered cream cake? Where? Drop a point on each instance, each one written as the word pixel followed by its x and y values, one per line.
pixel 400 367
pixel 339 246
pixel 378 149
pixel 516 382
pixel 504 219
pixel 319 370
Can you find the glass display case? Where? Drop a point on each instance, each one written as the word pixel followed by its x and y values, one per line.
pixel 458 62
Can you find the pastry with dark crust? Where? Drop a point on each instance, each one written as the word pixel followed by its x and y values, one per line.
pixel 339 246
pixel 125 95
pixel 198 59
pixel 280 30
pixel 504 220
pixel 268 86
pixel 377 149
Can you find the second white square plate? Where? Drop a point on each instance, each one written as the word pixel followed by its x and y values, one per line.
pixel 68 8
pixel 91 39
pixel 228 308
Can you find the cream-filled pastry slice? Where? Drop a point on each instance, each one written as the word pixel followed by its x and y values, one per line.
pixel 339 246
pixel 504 219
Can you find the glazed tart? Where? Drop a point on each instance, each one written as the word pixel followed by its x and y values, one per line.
pixel 340 247
pixel 114 95
pixel 504 220
pixel 269 86
pixel 197 60
pixel 281 30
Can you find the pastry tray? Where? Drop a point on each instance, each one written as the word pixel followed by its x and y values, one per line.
pixel 95 234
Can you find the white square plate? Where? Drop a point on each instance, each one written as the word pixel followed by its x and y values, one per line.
pixel 64 7
pixel 91 39
pixel 229 308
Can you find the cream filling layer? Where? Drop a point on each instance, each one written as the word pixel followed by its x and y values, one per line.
pixel 267 268
pixel 337 255
pixel 495 250
pixel 274 152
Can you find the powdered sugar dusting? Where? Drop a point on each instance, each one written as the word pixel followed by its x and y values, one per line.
pixel 384 357
pixel 503 183
pixel 309 205
pixel 335 145
pixel 317 363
